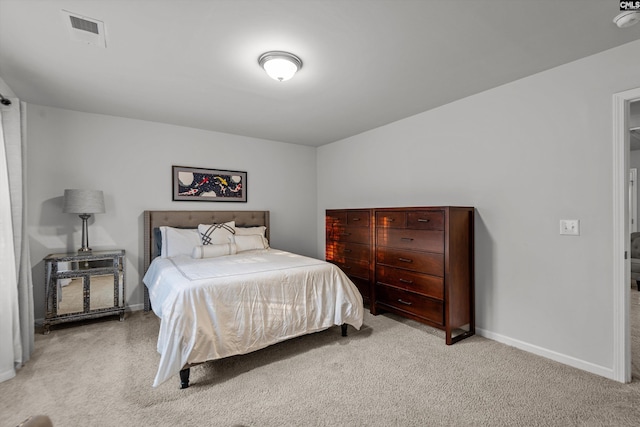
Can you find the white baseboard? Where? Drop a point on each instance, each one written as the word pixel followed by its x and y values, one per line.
pixel 134 307
pixel 549 354
pixel 7 375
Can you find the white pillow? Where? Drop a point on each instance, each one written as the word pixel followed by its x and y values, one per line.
pixel 247 243
pixel 178 241
pixel 248 231
pixel 212 234
pixel 213 251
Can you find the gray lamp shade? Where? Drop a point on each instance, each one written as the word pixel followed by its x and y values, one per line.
pixel 83 201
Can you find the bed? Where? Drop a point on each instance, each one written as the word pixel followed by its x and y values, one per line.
pixel 224 299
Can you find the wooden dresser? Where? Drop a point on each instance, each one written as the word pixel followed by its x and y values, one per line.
pixel 349 237
pixel 423 262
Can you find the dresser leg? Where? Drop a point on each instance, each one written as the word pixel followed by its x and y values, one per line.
pixel 184 378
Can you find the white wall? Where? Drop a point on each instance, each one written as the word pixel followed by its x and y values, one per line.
pixel 130 160
pixel 526 155
pixel 6 90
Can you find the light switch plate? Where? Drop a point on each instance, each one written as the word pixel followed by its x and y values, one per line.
pixel 570 227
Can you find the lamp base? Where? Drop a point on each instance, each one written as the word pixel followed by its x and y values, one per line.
pixel 85 233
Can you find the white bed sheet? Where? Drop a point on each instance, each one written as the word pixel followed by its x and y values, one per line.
pixel 219 307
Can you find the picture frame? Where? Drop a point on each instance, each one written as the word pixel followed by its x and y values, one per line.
pixel 208 185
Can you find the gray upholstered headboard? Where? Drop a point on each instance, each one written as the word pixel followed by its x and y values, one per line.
pixel 191 219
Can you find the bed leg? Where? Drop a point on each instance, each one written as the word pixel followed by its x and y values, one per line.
pixel 184 378
pixel 344 329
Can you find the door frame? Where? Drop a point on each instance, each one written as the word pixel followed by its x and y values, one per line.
pixel 633 200
pixel 621 264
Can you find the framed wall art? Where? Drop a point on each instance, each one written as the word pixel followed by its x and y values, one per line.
pixel 208 185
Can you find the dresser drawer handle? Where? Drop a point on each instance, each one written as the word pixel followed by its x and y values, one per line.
pixel 355 219
pixel 386 218
pixel 345 234
pixel 401 301
pixel 405 260
pixel 346 267
pixel 347 251
pixel 405 281
pixel 408 239
pixel 423 220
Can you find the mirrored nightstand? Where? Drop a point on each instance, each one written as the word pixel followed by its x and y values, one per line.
pixel 84 285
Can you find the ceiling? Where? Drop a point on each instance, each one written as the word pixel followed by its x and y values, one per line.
pixel 367 63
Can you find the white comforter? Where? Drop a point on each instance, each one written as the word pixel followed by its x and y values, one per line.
pixel 218 307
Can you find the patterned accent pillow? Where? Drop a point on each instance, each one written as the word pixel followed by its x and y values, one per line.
pixel 213 234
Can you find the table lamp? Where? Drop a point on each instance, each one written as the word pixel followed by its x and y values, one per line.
pixel 85 203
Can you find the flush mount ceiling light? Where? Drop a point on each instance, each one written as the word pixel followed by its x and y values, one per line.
pixel 279 65
pixel 627 19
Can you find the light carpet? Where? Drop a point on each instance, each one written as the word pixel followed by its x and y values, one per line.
pixel 393 372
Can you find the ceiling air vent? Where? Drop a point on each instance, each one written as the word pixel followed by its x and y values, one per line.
pixel 84 29
pixel 83 24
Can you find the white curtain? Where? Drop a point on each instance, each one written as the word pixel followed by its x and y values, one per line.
pixel 16 288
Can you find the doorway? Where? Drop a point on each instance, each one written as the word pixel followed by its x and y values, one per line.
pixel 621 230
pixel 634 299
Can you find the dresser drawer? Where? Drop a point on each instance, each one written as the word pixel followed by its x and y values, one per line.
pixel 425 220
pixel 350 234
pixel 356 250
pixel 337 251
pixel 422 262
pixel 416 240
pixel 391 219
pixel 358 218
pixel 424 284
pixel 333 218
pixel 354 268
pixel 410 302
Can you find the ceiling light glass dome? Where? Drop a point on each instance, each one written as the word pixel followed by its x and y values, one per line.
pixel 280 65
